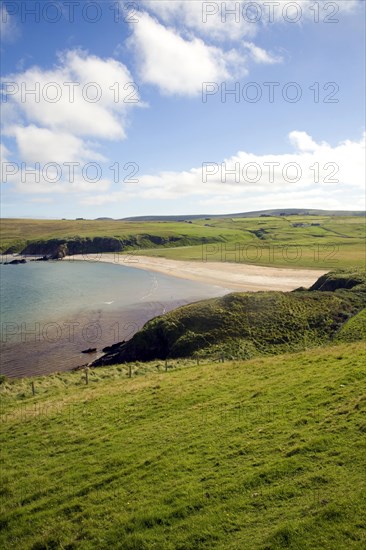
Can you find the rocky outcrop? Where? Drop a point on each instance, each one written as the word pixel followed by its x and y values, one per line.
pixel 59 248
pixel 16 262
pixel 60 252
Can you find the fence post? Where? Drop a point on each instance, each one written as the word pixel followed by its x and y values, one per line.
pixel 33 389
pixel 129 371
pixel 86 375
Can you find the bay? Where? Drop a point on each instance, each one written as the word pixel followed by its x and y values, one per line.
pixel 50 311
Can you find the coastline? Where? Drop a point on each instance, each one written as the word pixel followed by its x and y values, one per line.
pixel 231 276
pixel 46 354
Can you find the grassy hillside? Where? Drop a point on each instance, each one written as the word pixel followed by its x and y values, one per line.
pixel 263 454
pixel 294 241
pixel 244 325
pixel 354 329
pixel 19 233
pixel 299 241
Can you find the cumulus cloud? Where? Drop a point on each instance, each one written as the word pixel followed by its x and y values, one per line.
pixel 82 100
pixel 79 95
pixel 302 141
pixel 177 65
pixel 43 145
pixel 180 44
pixel 210 19
pixel 312 168
pixel 234 20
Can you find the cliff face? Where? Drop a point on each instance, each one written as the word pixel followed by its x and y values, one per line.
pixel 94 245
pixel 73 246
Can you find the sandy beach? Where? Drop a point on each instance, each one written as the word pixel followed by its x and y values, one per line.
pixel 232 276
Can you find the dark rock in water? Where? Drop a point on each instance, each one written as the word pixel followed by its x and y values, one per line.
pixel 16 262
pixel 113 347
pixel 43 259
pixel 89 350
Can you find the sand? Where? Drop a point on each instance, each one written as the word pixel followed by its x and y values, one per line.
pixel 232 276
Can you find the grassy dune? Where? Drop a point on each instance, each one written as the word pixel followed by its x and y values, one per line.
pixel 298 241
pixel 246 324
pixel 263 454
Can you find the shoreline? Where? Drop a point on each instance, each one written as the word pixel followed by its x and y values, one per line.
pixel 34 358
pixel 230 276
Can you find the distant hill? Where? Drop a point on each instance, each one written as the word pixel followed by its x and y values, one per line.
pixel 255 214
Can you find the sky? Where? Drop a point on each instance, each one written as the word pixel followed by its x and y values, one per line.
pixel 169 107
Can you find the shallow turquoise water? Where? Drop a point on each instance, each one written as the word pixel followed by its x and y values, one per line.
pixel 51 311
pixel 38 291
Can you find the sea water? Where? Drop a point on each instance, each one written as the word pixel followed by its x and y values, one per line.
pixel 50 310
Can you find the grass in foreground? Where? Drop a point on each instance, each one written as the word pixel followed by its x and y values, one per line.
pixel 263 454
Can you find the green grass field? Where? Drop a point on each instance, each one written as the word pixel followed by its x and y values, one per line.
pixel 334 241
pixel 262 454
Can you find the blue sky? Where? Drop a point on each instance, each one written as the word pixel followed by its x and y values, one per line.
pixel 171 141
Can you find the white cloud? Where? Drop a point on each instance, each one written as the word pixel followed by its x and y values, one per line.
pixel 234 20
pixel 211 19
pixel 75 109
pixel 47 131
pixel 302 141
pixel 43 145
pixel 318 167
pixel 179 66
pixel 259 55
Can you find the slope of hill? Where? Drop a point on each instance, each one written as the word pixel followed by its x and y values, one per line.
pixel 249 324
pixel 255 214
pixel 263 454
